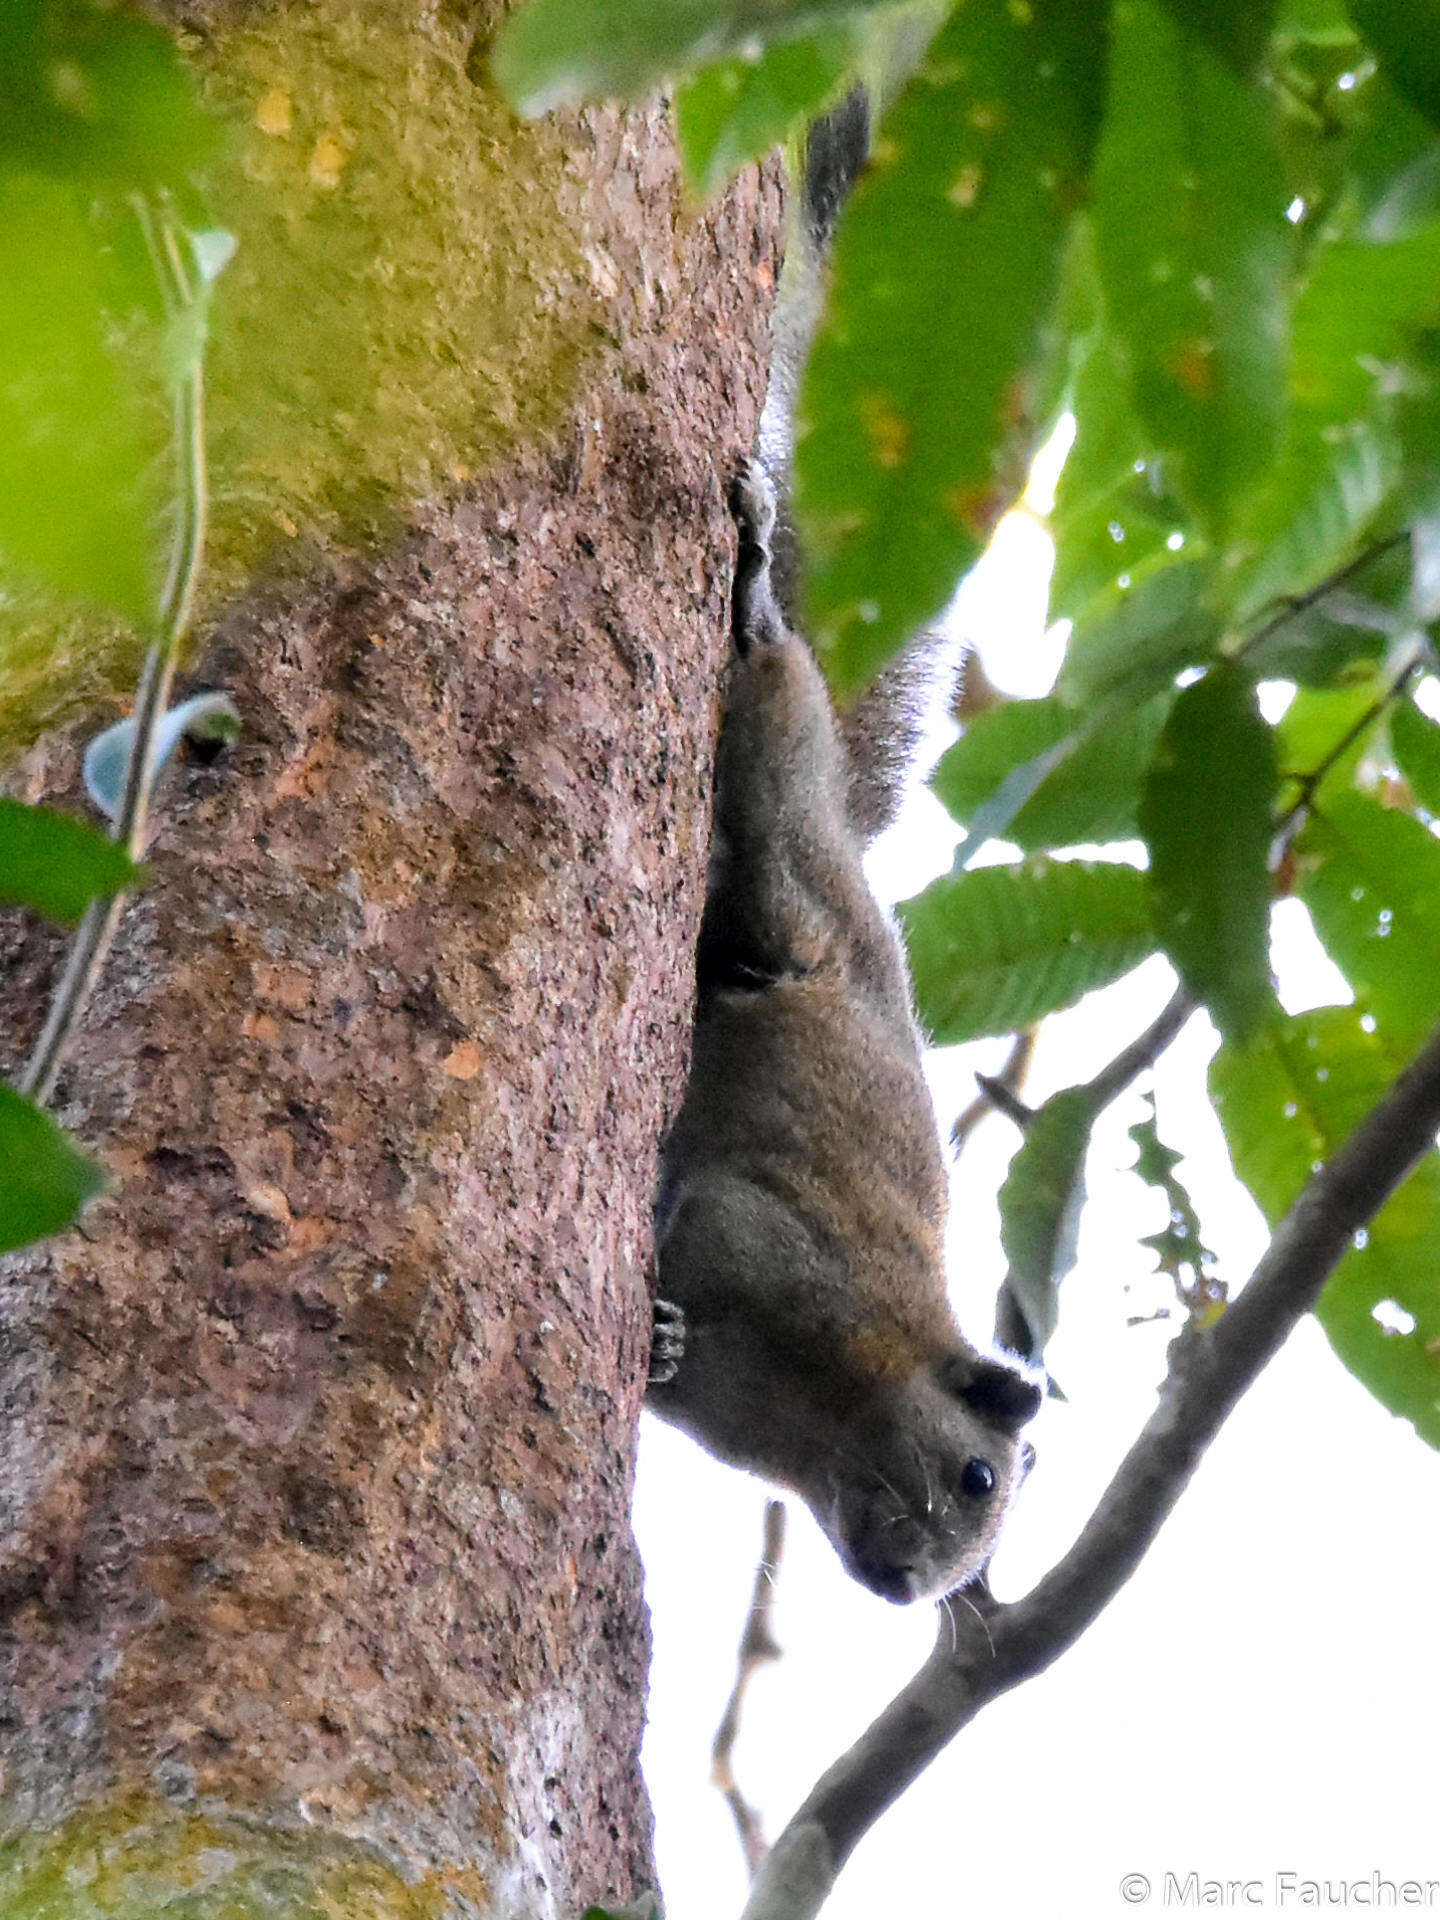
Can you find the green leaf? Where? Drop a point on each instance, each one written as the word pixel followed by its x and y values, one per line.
pixel 56 866
pixel 97 93
pixel 1371 879
pixel 1112 513
pixel 1179 1247
pixel 75 498
pixel 1314 725
pixel 45 1179
pixel 943 271
pixel 1416 743
pixel 553 51
pixel 1237 34
pixel 1205 813
pixel 1357 318
pixel 1193 249
pixel 1406 36
pixel 1091 796
pixel 994 950
pixel 1287 1101
pixel 738 110
pixel 1139 633
pixel 1040 1205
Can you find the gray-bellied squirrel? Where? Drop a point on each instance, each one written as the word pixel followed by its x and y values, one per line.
pixel 803 1329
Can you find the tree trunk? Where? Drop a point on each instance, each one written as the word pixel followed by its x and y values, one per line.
pixel 316 1580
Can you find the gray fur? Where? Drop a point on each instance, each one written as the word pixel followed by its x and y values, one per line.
pixel 801 1222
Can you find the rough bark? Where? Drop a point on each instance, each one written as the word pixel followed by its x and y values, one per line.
pixel 315 1446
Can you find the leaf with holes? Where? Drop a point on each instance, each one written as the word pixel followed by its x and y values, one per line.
pixel 1193 252
pixel 943 272
pixel 1206 814
pixel 1040 1206
pixel 1370 877
pixel 738 110
pixel 1179 1247
pixel 1287 1101
pixel 45 1179
pixel 994 950
pixel 56 866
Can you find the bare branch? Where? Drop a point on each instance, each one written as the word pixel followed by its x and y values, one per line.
pixel 757 1645
pixel 1132 1061
pixel 977 1657
pixel 1010 1081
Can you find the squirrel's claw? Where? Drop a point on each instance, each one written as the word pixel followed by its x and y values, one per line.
pixel 667 1342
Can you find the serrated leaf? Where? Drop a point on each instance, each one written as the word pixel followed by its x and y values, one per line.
pixel 1357 316
pixel 549 52
pixel 1416 743
pixel 1090 797
pixel 75 456
pixel 1040 1206
pixel 1406 36
pixel 1179 1247
pixel 54 865
pixel 737 110
pixel 97 93
pixel 1193 250
pixel 1206 814
pixel 1287 1101
pixel 1370 877
pixel 943 271
pixel 998 948
pixel 1136 635
pixel 45 1179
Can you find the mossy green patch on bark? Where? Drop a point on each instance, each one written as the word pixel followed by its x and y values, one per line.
pixel 409 300
pixel 137 1858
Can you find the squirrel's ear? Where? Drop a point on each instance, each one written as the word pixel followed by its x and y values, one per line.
pixel 999 1394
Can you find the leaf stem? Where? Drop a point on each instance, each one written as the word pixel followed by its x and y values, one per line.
pixel 97 929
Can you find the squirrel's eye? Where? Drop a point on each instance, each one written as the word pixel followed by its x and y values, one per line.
pixel 978 1479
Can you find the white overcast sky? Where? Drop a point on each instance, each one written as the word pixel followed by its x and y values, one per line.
pixel 1262 1700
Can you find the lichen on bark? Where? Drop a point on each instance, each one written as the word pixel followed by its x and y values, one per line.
pixel 316 1445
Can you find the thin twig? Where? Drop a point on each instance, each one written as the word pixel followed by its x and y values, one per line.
pixel 1208 1374
pixel 1293 605
pixel 1308 783
pixel 757 1645
pixel 1010 1082
pixel 97 928
pixel 1132 1061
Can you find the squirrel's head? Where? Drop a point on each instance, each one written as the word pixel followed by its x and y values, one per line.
pixel 920 1498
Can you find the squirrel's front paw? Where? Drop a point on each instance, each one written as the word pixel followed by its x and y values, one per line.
pixel 752 505
pixel 667 1342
